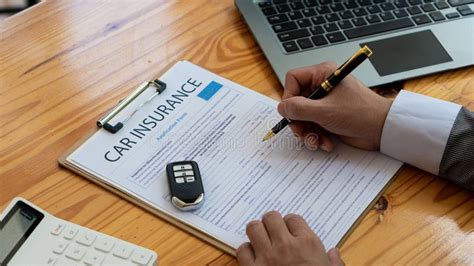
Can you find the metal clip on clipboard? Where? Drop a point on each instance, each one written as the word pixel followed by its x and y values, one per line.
pixel 104 121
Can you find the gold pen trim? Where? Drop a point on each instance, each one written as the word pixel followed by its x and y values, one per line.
pixel 268 136
pixel 364 50
pixel 326 86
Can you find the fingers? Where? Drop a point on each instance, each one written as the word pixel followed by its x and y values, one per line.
pixel 301 230
pixel 301 108
pixel 297 225
pixel 305 133
pixel 313 136
pixel 299 80
pixel 245 254
pixel 258 237
pixel 323 141
pixel 275 226
pixel 298 128
pixel 335 257
pixel 296 80
pixel 318 140
pixel 311 141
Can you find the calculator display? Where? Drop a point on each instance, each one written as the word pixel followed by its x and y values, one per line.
pixel 15 228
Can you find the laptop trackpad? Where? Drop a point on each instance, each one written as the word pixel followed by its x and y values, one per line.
pixel 407 52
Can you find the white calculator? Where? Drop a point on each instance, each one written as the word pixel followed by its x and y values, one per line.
pixel 29 235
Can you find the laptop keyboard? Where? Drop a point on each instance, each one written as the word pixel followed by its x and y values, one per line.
pixel 307 24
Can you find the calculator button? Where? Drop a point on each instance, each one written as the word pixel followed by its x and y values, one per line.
pixel 65 261
pixel 112 261
pixel 57 229
pixel 104 244
pixel 140 257
pixel 190 179
pixel 75 252
pixel 182 167
pixel 70 233
pixel 183 173
pixel 51 261
pixel 85 238
pixel 122 251
pixel 60 247
pixel 179 180
pixel 93 258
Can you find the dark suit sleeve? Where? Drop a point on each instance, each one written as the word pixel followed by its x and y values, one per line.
pixel 457 163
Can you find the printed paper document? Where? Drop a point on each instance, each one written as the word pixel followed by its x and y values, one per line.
pixel 219 124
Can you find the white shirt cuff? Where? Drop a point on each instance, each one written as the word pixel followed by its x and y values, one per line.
pixel 417 128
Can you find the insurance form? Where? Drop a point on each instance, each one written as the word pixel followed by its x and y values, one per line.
pixel 219 124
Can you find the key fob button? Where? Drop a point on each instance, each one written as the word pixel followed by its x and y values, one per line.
pixel 182 167
pixel 183 173
pixel 186 188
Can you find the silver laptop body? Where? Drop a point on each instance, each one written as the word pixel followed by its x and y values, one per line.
pixel 446 44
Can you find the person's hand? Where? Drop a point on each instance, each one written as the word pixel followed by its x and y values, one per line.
pixel 351 110
pixel 284 241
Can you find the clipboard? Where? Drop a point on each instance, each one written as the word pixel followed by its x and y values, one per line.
pixel 105 123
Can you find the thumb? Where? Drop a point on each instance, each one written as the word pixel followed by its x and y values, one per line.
pixel 300 108
pixel 335 257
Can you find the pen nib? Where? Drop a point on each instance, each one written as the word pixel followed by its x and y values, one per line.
pixel 268 136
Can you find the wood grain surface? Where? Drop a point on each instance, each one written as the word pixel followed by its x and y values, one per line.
pixel 64 63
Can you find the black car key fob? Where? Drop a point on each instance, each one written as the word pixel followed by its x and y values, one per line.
pixel 187 192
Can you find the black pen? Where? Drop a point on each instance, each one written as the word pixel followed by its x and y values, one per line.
pixel 325 87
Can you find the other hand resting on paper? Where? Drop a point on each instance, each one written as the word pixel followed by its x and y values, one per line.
pixel 351 110
pixel 284 241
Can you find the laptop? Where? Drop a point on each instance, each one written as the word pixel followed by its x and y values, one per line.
pixel 409 38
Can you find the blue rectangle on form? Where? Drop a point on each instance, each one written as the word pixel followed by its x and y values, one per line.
pixel 209 90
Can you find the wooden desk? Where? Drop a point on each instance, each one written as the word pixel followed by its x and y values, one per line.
pixel 64 63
